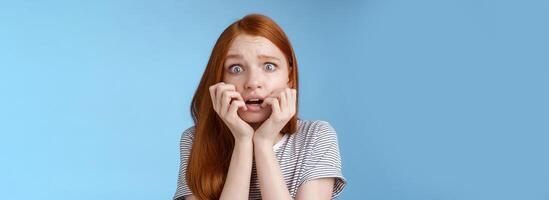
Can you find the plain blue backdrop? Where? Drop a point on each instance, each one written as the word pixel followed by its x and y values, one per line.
pixel 438 100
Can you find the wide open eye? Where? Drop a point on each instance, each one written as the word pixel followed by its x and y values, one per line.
pixel 270 66
pixel 235 69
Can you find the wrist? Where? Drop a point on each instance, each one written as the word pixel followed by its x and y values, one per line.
pixel 243 140
pixel 262 142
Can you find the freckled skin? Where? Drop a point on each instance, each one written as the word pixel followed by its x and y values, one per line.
pixel 254 78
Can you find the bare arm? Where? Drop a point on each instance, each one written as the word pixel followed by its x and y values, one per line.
pixel 271 181
pixel 316 189
pixel 237 184
pixel 226 102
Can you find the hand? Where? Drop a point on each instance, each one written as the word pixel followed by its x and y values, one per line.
pixel 283 108
pixel 222 99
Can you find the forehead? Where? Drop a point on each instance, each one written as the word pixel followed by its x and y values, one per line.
pixel 248 45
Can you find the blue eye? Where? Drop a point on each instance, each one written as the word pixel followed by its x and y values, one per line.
pixel 270 66
pixel 235 69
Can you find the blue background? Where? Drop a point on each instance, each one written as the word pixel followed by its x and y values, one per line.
pixel 430 99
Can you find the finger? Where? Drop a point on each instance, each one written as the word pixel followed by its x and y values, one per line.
pixel 213 89
pixel 276 94
pixel 234 107
pixel 293 101
pixel 284 101
pixel 289 100
pixel 273 102
pixel 226 98
pixel 219 92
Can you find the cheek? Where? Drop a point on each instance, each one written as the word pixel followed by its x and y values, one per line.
pixel 234 81
pixel 280 82
pixel 282 78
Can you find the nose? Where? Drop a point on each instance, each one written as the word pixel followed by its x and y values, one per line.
pixel 255 80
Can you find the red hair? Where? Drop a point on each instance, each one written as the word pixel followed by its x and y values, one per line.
pixel 213 142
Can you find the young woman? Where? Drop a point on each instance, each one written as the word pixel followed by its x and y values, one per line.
pixel 247 141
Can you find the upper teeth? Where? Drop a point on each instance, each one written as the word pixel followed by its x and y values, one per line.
pixel 253 100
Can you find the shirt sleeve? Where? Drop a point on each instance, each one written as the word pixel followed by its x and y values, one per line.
pixel 324 159
pixel 184 150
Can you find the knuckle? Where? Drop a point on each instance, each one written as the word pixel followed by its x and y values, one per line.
pixel 227 94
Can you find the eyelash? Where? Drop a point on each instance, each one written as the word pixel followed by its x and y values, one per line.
pixel 229 68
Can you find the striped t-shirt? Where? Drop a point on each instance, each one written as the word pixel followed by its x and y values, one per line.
pixel 312 152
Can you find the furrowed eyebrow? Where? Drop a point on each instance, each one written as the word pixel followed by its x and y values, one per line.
pixel 234 56
pixel 268 57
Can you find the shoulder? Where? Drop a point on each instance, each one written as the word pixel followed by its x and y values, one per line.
pixel 189 132
pixel 315 127
pixel 187 136
pixel 314 131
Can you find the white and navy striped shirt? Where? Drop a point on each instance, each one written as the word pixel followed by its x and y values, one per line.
pixel 312 152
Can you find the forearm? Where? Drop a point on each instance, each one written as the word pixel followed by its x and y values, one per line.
pixel 271 181
pixel 237 183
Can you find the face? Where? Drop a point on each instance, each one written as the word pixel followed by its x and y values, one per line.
pixel 257 68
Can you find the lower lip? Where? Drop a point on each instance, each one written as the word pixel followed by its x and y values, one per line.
pixel 253 107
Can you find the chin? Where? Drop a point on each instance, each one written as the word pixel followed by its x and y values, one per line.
pixel 253 117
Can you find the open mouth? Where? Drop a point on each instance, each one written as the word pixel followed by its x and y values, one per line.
pixel 254 101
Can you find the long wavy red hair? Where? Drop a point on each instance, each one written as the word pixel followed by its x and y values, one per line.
pixel 213 143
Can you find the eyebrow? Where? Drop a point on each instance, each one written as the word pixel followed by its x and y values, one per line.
pixel 239 56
